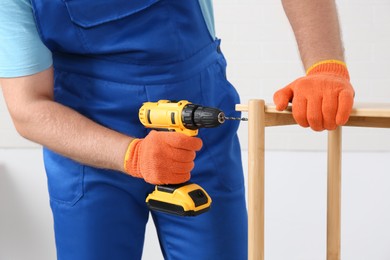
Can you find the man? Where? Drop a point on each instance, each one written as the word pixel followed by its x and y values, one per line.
pixel 108 57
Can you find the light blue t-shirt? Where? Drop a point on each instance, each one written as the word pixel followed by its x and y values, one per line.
pixel 22 52
pixel 208 14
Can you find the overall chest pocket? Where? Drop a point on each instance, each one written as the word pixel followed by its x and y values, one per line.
pixel 87 13
pixel 120 26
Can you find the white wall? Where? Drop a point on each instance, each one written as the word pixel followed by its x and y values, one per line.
pixel 262 57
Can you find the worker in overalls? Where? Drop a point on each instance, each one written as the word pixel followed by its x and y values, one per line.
pixel 74 74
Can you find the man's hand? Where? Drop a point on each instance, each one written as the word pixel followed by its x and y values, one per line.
pixel 162 157
pixel 322 99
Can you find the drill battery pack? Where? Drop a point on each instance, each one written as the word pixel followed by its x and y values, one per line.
pixel 186 199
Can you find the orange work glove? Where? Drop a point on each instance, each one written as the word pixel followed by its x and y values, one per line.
pixel 162 157
pixel 323 99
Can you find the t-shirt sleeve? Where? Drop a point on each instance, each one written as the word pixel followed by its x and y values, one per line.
pixel 208 14
pixel 22 52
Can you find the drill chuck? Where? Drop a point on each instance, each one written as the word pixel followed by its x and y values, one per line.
pixel 195 117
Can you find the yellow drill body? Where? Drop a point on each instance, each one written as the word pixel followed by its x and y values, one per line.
pixel 165 115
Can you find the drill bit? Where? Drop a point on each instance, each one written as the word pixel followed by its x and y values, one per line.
pixel 236 118
pixel 222 118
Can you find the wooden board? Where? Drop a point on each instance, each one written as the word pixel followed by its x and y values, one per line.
pixel 362 115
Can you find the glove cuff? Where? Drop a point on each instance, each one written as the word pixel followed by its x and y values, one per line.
pixel 130 163
pixel 335 67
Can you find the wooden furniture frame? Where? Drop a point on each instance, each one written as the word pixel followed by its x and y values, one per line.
pixel 261 116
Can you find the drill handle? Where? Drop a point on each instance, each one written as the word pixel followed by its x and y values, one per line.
pixel 185 131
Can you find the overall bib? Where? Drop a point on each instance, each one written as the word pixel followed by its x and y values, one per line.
pixel 110 57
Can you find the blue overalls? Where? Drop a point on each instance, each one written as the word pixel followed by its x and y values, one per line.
pixel 109 58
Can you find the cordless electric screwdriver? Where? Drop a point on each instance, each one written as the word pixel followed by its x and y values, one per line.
pixel 186 199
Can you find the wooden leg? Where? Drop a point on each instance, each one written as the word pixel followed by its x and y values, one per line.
pixel 334 194
pixel 256 116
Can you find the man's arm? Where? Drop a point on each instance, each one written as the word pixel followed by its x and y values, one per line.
pixel 38 118
pixel 316 28
pixel 159 158
pixel 323 99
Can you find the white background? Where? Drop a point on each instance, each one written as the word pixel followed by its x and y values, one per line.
pixel 262 57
